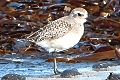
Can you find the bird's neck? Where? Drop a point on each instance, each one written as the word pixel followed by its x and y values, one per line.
pixel 78 21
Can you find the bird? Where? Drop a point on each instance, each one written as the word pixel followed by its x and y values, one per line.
pixel 61 34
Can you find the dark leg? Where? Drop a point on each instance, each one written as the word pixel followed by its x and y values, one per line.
pixel 55 64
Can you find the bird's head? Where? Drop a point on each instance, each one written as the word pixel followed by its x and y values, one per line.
pixel 79 15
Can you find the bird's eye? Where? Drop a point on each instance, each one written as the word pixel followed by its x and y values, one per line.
pixel 80 14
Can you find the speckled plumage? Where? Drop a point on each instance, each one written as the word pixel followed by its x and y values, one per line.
pixel 61 34
pixel 51 35
pixel 53 30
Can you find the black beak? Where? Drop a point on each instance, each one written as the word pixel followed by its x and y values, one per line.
pixel 89 19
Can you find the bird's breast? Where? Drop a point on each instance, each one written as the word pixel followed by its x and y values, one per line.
pixel 62 43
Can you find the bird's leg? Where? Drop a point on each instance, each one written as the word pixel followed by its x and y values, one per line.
pixel 55 63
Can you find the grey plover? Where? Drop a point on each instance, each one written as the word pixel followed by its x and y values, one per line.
pixel 62 33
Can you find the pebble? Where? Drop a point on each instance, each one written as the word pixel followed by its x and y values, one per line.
pixel 69 73
pixel 13 77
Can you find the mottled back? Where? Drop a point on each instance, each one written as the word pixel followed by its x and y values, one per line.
pixel 53 30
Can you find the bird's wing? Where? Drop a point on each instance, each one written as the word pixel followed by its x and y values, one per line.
pixel 53 30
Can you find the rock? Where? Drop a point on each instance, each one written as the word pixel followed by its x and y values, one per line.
pixel 13 77
pixel 69 73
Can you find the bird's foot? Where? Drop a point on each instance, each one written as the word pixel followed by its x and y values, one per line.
pixel 56 72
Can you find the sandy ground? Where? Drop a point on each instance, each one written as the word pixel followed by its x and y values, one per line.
pixel 37 69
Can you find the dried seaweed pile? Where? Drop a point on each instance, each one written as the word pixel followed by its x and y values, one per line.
pixel 101 39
